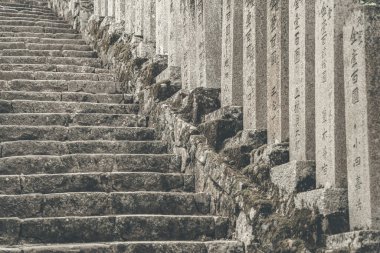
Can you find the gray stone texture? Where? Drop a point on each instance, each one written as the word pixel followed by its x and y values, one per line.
pixel 174 33
pixel 254 62
pixel 162 22
pixel 149 21
pixel 119 10
pixel 139 17
pixel 129 16
pixel 232 53
pixel 329 93
pixel 361 73
pixel 97 7
pixel 357 241
pixel 208 43
pixel 278 71
pixel 111 8
pixel 302 80
pixel 103 8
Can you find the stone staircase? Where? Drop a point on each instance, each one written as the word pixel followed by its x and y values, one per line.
pixel 80 171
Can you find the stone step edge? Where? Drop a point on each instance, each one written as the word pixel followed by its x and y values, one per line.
pixel 78 127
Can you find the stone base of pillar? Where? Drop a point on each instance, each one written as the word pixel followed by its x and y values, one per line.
pixel 172 74
pixel 146 50
pixel 356 241
pixel 294 177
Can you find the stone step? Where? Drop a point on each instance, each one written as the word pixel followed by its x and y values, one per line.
pixel 161 163
pixel 93 87
pixel 72 133
pixel 35 29
pixel 67 97
pixel 33 23
pixel 113 228
pixel 67 119
pixel 51 68
pixel 102 203
pixel 96 182
pixel 41 35
pixel 217 246
pixel 43 40
pixel 43 75
pixel 51 20
pixel 23 5
pixel 43 46
pixel 29 11
pixel 90 62
pixel 29 106
pixel 48 53
pixel 5 13
pixel 57 148
pixel 40 3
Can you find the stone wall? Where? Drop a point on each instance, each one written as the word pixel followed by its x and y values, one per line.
pixel 283 133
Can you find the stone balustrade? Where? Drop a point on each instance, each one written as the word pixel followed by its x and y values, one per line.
pixel 306 71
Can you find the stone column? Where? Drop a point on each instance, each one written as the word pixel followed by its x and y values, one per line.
pixel 119 10
pixel 129 16
pixel 254 62
pixel 97 7
pixel 111 8
pixel 232 53
pixel 208 43
pixel 278 70
pixel 362 96
pixel 103 8
pixel 162 13
pixel 302 80
pixel 139 15
pixel 146 48
pixel 188 47
pixel 329 94
pixel 174 34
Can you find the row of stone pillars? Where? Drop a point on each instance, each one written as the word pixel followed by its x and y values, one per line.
pixel 307 71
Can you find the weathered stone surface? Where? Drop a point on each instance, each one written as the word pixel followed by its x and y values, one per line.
pixel 120 11
pixel 254 65
pixel 232 53
pixel 208 43
pixel 174 33
pixel 278 71
pixel 361 75
pixel 103 8
pixel 111 8
pixel 329 87
pixel 302 80
pixel 358 241
pixel 138 18
pixel 129 16
pixel 162 34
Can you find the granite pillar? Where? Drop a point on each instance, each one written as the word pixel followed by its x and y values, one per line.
pixel 97 7
pixel 208 43
pixel 139 16
pixel 103 8
pixel 302 80
pixel 278 70
pixel 174 34
pixel 331 170
pixel 362 97
pixel 111 8
pixel 146 48
pixel 254 62
pixel 119 11
pixel 162 13
pixel 129 16
pixel 232 53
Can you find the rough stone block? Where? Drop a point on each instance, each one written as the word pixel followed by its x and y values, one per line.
pixel 9 231
pixel 171 74
pixel 354 242
pixel 294 176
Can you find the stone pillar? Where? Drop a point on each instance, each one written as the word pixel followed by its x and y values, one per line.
pixel 278 70
pixel 302 80
pixel 130 16
pixel 119 10
pixel 329 94
pixel 103 8
pixel 188 73
pixel 208 43
pixel 139 15
pixel 362 95
pixel 111 8
pixel 254 61
pixel 232 53
pixel 97 7
pixel 174 34
pixel 162 13
pixel 146 48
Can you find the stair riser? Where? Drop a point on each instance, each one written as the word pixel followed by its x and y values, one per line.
pixel 41 35
pixel 35 29
pixel 89 163
pixel 56 133
pixel 4 14
pixel 42 40
pixel 96 182
pixel 91 204
pixel 90 62
pixel 119 228
pixel 19 106
pixel 73 120
pixel 48 53
pixel 25 4
pixel 23 148
pixel 37 46
pixel 62 86
pixel 30 75
pixel 34 23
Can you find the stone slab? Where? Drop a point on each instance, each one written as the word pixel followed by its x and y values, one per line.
pixel 278 71
pixel 329 87
pixel 208 43
pixel 295 176
pixel 326 200
pixel 232 53
pixel 357 241
pixel 254 64
pixel 302 80
pixel 362 96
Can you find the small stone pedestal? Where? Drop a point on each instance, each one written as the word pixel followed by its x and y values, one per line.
pixel 357 241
